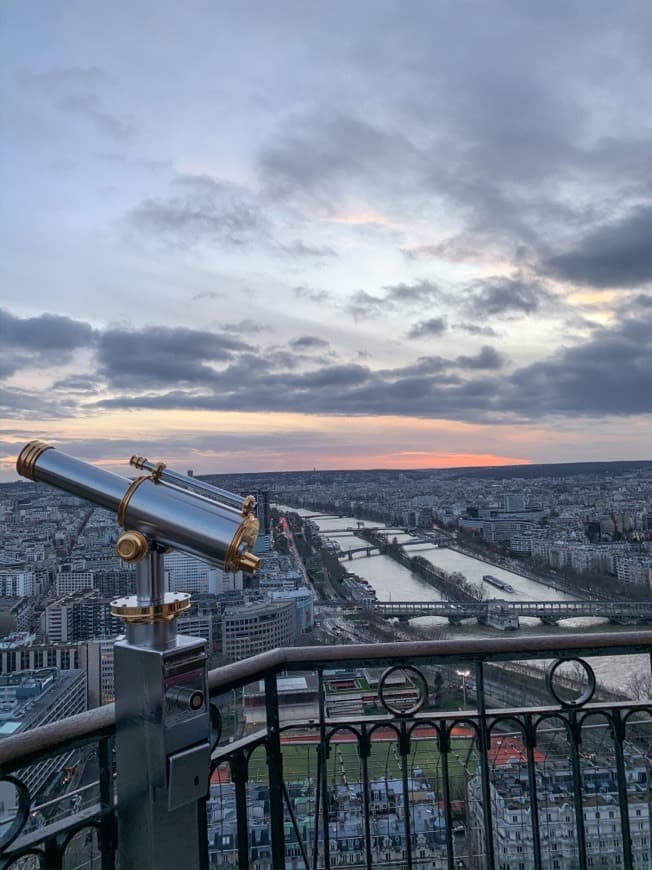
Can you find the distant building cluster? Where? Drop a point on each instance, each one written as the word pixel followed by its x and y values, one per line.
pixel 511 806
pixel 31 698
pixel 585 522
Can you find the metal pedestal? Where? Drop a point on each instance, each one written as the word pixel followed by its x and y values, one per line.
pixel 162 737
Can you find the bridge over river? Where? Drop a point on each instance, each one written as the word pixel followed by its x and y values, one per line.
pixel 371 550
pixel 503 614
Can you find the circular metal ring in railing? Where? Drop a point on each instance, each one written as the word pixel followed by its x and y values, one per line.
pixel 582 698
pixel 422 693
pixel 23 802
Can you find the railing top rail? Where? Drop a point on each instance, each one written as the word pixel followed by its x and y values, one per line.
pixel 34 745
pixel 436 651
pixel 24 749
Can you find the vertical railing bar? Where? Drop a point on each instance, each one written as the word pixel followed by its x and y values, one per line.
pixel 618 731
pixel 107 825
pixel 578 801
pixel 203 834
pixel 275 764
pixel 52 854
pixel 530 743
pixel 404 744
pixel 239 776
pixel 324 772
pixel 293 819
pixel 315 847
pixel 365 746
pixel 444 746
pixel 484 765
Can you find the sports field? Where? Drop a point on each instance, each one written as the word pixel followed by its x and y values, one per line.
pixel 300 763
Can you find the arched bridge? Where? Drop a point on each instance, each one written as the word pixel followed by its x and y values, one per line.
pixel 505 614
pixel 372 550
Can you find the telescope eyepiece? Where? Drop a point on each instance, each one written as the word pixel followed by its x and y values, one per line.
pixel 28 456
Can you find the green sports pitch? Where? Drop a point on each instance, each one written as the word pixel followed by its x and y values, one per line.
pixel 384 763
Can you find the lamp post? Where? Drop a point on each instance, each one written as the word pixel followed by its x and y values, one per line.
pixel 464 675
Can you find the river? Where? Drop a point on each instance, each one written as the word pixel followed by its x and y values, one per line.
pixel 393 581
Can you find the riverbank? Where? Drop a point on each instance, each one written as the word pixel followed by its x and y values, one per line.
pixel 454 587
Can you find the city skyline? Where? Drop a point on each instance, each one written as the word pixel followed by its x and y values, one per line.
pixel 275 239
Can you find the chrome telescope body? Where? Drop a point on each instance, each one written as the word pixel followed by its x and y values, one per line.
pixel 160 506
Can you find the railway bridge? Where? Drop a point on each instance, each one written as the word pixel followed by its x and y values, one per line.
pixel 505 614
pixel 372 550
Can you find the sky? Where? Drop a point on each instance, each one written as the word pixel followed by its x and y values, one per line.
pixel 249 236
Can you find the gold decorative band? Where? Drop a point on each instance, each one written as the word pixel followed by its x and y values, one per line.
pixel 128 609
pixel 238 557
pixel 126 498
pixel 157 471
pixel 138 461
pixel 27 458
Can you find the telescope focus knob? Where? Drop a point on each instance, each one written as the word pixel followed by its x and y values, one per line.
pixel 132 546
pixel 248 562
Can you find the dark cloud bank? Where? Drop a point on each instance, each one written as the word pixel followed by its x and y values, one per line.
pixel 178 368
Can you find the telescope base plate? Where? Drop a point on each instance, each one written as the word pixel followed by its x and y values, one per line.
pixel 130 611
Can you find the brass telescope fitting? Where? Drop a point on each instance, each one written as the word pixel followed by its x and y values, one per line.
pixel 28 456
pixel 126 498
pixel 129 611
pixel 132 546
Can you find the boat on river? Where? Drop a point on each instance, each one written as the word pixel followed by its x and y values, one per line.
pixel 498 583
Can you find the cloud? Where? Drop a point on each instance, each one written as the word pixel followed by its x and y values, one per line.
pixel 487 358
pixel 312 294
pixel 506 297
pixel 607 373
pixel 158 355
pixel 88 106
pixel 308 342
pixel 428 328
pixel 615 254
pixel 610 374
pixel 418 293
pixel 328 155
pixel 394 297
pixel 476 329
pixel 202 210
pixel 449 249
pixel 247 327
pixel 643 301
pixel 48 339
pixel 75 91
pixel 208 294
pixel 363 305
pixel 297 248
pixel 47 332
pixel 85 385
pixel 22 404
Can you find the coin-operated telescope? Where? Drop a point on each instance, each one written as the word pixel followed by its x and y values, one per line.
pixel 162 713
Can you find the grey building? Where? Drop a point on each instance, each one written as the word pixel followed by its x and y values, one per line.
pixel 29 699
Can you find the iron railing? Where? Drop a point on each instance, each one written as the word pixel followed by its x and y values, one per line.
pixel 355 761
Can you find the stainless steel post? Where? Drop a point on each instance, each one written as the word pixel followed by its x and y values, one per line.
pixel 162 736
